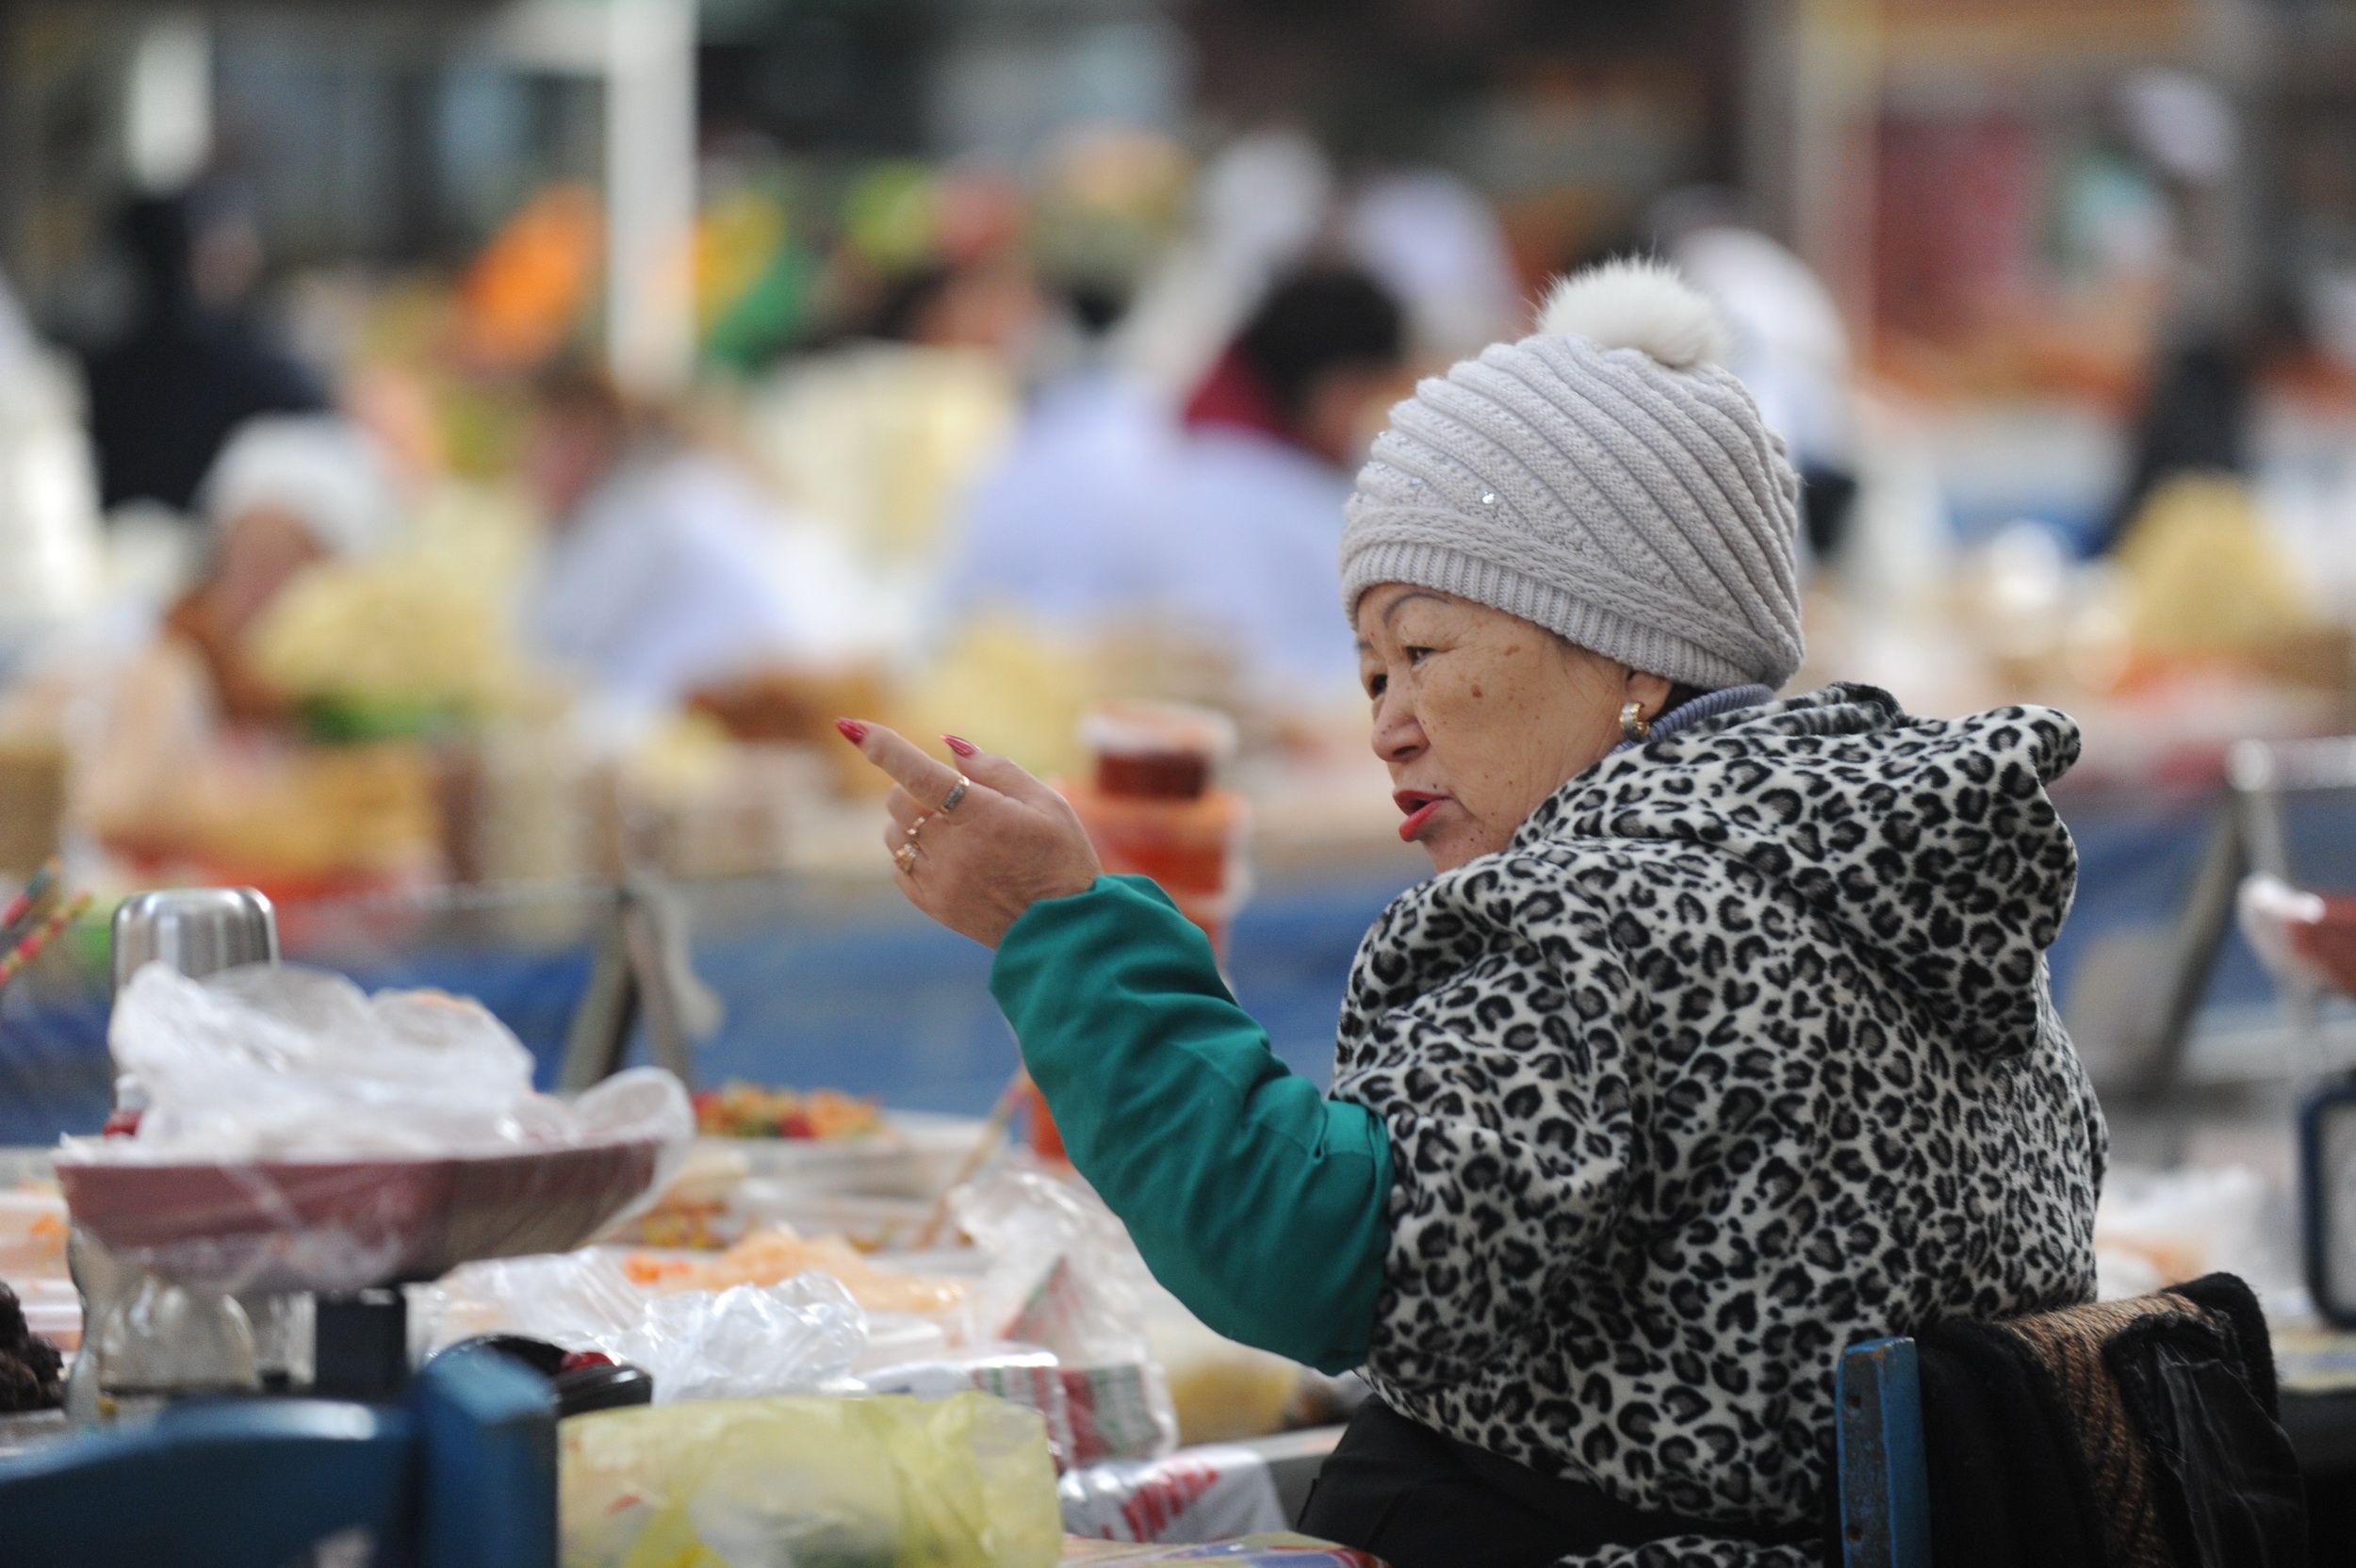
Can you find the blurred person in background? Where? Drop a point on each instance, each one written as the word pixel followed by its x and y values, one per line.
pixel 1254 507
pixel 1789 345
pixel 1435 243
pixel 1061 529
pixel 2200 411
pixel 191 366
pixel 1256 213
pixel 667 568
pixel 1058 529
pixel 2178 143
pixel 987 304
pixel 290 491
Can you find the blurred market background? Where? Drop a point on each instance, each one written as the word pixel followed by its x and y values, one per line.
pixel 456 460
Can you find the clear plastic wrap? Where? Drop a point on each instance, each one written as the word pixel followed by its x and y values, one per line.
pixel 1211 1494
pixel 797 1337
pixel 1022 1375
pixel 301 1136
pixel 1064 1276
pixel 964 1482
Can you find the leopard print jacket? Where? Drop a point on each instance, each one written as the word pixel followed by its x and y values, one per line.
pixel 1741 1051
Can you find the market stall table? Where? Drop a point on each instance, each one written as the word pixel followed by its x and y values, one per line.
pixel 827 979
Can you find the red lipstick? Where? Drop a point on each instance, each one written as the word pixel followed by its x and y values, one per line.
pixel 1419 804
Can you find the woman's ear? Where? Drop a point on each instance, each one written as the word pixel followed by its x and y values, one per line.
pixel 1649 692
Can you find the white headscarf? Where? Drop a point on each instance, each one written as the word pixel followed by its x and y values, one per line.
pixel 318 468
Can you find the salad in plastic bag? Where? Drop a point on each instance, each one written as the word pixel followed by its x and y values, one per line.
pixel 964 1482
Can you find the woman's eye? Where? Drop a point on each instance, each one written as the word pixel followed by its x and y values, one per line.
pixel 1416 656
pixel 1376 685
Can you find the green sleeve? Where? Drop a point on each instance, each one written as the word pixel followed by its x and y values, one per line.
pixel 1256 1200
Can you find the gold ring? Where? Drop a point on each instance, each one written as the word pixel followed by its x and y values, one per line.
pixel 957 794
pixel 905 857
pixel 917 827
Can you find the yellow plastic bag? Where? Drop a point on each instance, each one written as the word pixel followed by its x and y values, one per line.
pixel 965 1482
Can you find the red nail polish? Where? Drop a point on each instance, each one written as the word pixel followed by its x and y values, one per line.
pixel 963 748
pixel 852 729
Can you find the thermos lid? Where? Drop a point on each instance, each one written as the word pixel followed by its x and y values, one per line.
pixel 197 931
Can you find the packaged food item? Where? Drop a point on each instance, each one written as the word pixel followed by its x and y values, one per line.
pixel 279 1061
pixel 877 1482
pixel 1152 808
pixel 33 1229
pixel 1208 1494
pixel 1094 1414
pixel 1065 1276
pixel 1022 1375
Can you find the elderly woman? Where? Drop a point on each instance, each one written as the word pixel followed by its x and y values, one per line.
pixel 1720 1039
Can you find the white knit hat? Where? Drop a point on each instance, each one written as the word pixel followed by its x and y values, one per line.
pixel 1602 478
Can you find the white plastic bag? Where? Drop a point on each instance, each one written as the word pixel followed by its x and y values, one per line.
pixel 299 1135
pixel 801 1336
pixel 275 1061
pixel 2159 1228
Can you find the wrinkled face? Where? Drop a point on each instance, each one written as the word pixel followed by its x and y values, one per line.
pixel 1480 715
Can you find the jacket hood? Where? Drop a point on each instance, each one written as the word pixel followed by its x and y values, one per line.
pixel 1931 843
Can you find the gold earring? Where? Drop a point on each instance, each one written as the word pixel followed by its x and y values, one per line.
pixel 1633 724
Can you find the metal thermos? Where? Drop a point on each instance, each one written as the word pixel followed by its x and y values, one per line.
pixel 141 1333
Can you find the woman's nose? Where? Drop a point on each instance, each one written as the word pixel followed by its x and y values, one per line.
pixel 1397 738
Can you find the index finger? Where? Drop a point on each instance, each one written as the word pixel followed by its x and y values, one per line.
pixel 926 778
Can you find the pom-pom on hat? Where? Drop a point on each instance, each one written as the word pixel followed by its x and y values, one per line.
pixel 1603 478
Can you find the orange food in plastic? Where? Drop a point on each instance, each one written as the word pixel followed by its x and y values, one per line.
pixel 772 1256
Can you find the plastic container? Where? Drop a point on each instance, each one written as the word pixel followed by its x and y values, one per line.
pixel 1153 807
pixel 1156 751
pixel 1192 844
